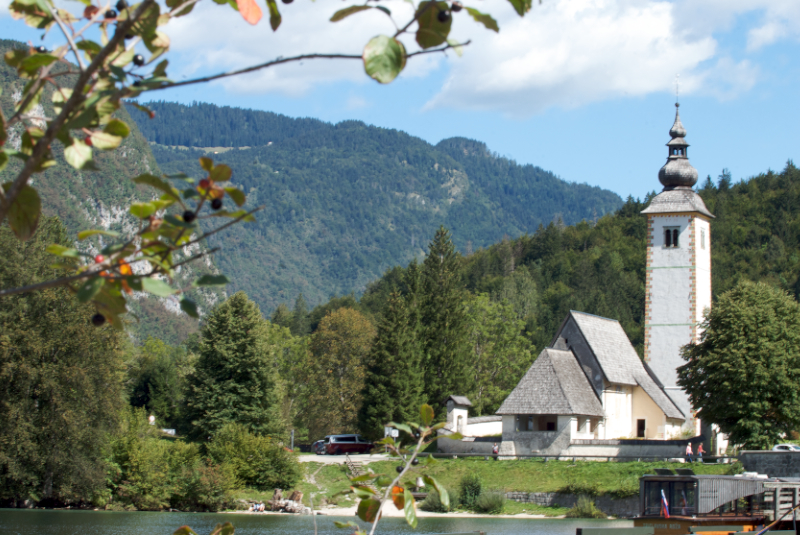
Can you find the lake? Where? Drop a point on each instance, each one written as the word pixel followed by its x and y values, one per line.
pixel 43 522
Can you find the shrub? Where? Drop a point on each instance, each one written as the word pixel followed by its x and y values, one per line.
pixel 258 462
pixel 433 503
pixel 470 489
pixel 585 508
pixel 491 502
pixel 206 488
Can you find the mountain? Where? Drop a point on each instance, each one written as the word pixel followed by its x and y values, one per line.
pixel 98 199
pixel 345 202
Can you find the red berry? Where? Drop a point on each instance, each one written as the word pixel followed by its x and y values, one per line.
pixel 98 320
pixel 205 183
pixel 99 258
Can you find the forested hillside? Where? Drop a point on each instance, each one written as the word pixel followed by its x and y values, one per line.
pixel 96 199
pixel 345 202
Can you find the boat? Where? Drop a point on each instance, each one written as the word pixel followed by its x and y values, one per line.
pixel 681 502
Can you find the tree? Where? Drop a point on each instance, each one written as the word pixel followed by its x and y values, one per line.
pixel 235 379
pixel 744 374
pixel 282 316
pixel 87 94
pixel 444 319
pixel 336 371
pixel 299 325
pixel 60 380
pixel 394 385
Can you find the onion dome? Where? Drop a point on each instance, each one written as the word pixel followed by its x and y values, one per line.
pixel 677 172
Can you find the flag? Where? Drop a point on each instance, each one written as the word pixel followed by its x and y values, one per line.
pixel 664 505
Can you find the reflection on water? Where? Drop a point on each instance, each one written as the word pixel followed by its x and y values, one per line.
pixel 38 522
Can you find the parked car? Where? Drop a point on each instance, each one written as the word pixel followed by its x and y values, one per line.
pixel 341 444
pixel 317 447
pixel 785 447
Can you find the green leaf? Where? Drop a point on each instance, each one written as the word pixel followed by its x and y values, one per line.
pixel 431 31
pixel 184 530
pixel 172 220
pixel 115 127
pixel 211 280
pixel 23 215
pixel 36 61
pixel 142 210
pixel 426 413
pixel 154 181
pixel 223 529
pixel 410 509
pixel 157 287
pixel 274 15
pixel 384 9
pixel 457 48
pixel 236 194
pixel 346 12
pixel 383 481
pixel 104 141
pixel 364 477
pixel 89 288
pixel 384 58
pixel 368 509
pixel 82 235
pixel 124 57
pixel 363 492
pixel 401 427
pixel 248 218
pixel 78 154
pixel 60 250
pixel 206 163
pixel 484 19
pixel 443 496
pixel 221 173
pixel 350 524
pixel 3 160
pixel 189 306
pixel 521 6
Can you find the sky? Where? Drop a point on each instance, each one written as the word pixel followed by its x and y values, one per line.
pixel 583 88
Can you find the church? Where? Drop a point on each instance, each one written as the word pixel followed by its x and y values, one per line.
pixel 589 388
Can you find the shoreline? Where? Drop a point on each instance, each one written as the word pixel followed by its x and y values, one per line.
pixel 391 512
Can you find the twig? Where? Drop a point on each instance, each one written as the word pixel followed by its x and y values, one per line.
pixel 61 25
pixel 226 225
pixel 49 284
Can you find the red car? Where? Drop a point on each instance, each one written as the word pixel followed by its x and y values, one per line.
pixel 341 444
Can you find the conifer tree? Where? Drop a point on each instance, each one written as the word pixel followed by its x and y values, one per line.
pixel 282 316
pixel 299 325
pixel 444 322
pixel 235 378
pixel 394 382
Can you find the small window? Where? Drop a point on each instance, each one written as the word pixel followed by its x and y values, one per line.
pixel 551 426
pixel 702 238
pixel 671 237
pixel 640 428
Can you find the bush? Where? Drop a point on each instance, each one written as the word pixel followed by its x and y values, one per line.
pixel 432 503
pixel 205 488
pixel 470 489
pixel 585 508
pixel 257 461
pixel 491 502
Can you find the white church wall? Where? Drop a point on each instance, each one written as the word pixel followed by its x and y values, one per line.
pixel 702 242
pixel 484 429
pixel 617 406
pixel 644 408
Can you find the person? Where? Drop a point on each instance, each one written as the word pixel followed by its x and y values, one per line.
pixel 700 452
pixel 689 452
pixel 495 449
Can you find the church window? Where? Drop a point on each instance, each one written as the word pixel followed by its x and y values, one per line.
pixel 671 237
pixel 640 428
pixel 702 238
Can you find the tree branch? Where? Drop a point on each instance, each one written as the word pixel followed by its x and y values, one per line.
pixel 66 34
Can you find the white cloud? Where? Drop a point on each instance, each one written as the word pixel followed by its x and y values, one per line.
pixel 357 103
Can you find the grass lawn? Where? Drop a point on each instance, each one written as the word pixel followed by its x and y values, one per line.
pixel 529 475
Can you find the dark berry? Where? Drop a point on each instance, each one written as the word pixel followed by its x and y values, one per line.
pixel 287 1
pixel 399 469
pixel 129 36
pixel 111 14
pixel 455 8
pixel 41 49
pixel 138 60
pixel 121 5
pixel 189 216
pixel 415 462
pixel 216 204
pixel 137 83
pixel 443 16
pixel 98 320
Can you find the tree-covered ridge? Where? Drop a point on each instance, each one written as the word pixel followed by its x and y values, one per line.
pixel 345 202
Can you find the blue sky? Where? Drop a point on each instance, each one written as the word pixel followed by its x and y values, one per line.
pixel 583 88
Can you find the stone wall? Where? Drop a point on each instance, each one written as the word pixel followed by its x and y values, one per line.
pixel 621 507
pixel 467 445
pixel 772 463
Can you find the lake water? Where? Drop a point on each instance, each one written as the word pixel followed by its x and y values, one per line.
pixel 42 522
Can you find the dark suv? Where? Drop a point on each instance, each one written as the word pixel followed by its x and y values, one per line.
pixel 341 444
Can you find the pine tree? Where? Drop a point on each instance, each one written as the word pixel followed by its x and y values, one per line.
pixel 235 378
pixel 444 322
pixel 282 316
pixel 394 380
pixel 299 325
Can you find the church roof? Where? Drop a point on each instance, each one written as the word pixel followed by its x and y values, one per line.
pixel 458 400
pixel 677 200
pixel 554 384
pixel 618 359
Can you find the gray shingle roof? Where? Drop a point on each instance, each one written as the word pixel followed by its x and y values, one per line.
pixel 618 359
pixel 458 400
pixel 677 200
pixel 554 384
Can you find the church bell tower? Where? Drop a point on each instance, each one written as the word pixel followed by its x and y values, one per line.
pixel 678 272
